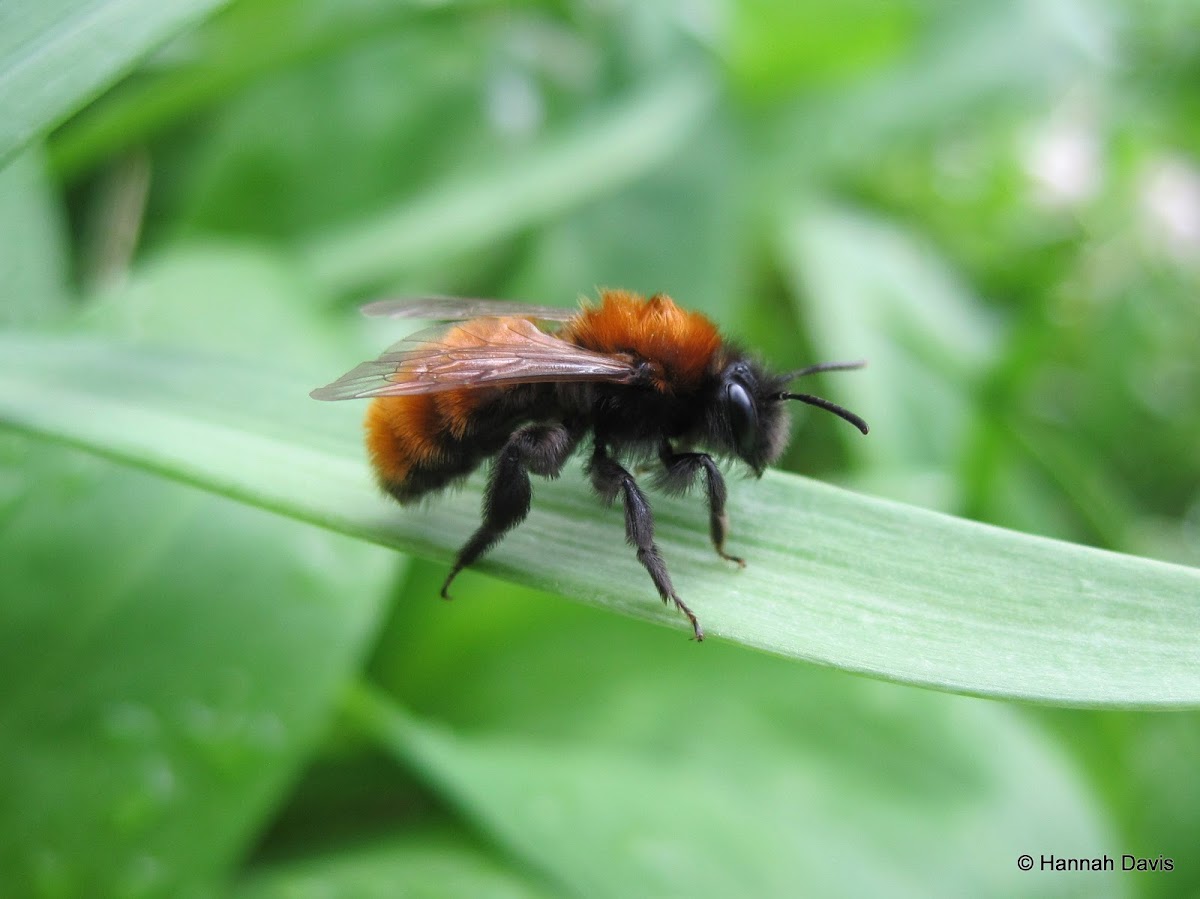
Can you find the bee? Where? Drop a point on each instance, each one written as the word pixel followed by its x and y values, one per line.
pixel 642 380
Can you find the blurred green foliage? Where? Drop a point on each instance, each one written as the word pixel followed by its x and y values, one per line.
pixel 998 204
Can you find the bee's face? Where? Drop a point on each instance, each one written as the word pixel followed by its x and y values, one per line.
pixel 748 419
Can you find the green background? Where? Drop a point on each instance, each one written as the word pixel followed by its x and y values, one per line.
pixel 204 693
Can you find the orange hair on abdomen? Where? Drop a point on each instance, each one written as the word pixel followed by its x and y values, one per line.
pixel 411 432
pixel 655 329
pixel 402 434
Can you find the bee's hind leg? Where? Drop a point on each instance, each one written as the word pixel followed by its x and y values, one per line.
pixel 542 449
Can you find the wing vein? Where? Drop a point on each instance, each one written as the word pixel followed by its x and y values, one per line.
pixel 487 352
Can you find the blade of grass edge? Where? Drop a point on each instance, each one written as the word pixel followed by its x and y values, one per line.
pixel 57 55
pixel 835 578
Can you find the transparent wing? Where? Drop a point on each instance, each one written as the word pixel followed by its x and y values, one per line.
pixel 485 352
pixel 461 308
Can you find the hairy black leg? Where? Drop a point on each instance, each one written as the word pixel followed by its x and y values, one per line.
pixel 542 449
pixel 679 473
pixel 609 478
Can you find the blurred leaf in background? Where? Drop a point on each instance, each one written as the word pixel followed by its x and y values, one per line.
pixel 999 205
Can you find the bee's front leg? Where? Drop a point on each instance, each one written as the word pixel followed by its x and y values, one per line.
pixel 679 472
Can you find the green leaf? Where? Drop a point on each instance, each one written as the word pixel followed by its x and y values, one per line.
pixel 470 211
pixel 225 296
pixel 796 805
pixel 55 55
pixel 249 171
pixel 872 291
pixel 777 47
pixel 173 655
pixel 649 235
pixel 973 58
pixel 834 577
pixel 426 864
pixel 911 773
pixel 170 658
pixel 33 251
pixel 246 44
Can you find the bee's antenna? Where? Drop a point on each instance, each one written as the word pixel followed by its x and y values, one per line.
pixel 825 366
pixel 839 411
pixel 820 403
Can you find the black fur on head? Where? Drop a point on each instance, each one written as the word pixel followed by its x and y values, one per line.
pixel 747 417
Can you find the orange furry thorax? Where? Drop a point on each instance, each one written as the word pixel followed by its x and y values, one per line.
pixel 682 342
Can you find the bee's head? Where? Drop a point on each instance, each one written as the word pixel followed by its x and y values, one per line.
pixel 748 418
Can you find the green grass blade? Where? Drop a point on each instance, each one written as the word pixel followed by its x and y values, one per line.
pixel 699 816
pixel 470 212
pixel 833 577
pixel 168 661
pixel 34 259
pixel 247 44
pixel 429 862
pixel 55 55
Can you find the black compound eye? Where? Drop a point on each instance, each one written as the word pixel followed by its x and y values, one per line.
pixel 743 420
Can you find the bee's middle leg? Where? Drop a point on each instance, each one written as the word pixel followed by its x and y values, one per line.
pixel 609 478
pixel 542 449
